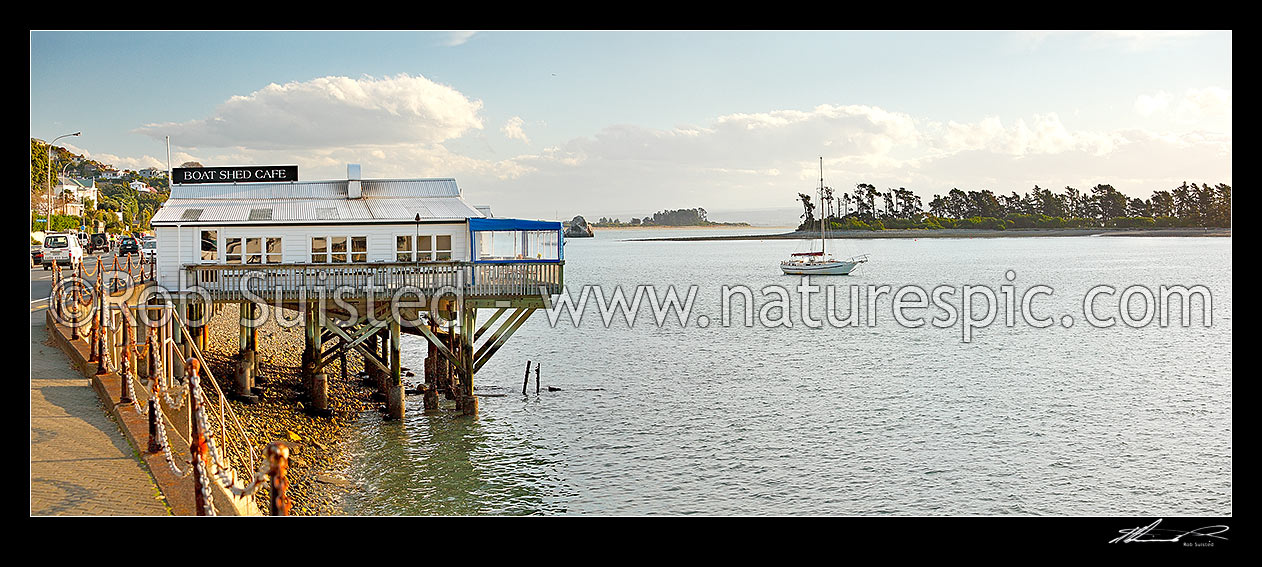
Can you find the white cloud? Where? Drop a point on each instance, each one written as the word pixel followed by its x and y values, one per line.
pixel 1140 40
pixel 1047 135
pixel 331 112
pixel 133 163
pixel 1148 105
pixel 1206 102
pixel 454 38
pixel 1128 40
pixel 403 127
pixel 1193 105
pixel 763 159
pixel 512 129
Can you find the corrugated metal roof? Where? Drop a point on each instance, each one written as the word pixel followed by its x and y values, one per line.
pixel 315 202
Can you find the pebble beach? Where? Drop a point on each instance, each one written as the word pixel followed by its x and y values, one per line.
pixel 316 484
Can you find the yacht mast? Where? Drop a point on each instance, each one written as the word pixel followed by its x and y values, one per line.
pixel 823 209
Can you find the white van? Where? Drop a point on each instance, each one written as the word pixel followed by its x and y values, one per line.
pixel 64 248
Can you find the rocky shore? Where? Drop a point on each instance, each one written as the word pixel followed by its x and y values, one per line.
pixel 316 484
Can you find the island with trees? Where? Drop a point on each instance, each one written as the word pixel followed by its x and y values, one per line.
pixel 1101 207
pixel 667 218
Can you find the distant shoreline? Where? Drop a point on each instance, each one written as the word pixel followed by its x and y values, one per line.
pixel 961 233
pixel 596 228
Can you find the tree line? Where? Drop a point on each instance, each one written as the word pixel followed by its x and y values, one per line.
pixel 866 208
pixel 677 217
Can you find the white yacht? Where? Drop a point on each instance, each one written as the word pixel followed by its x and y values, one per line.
pixel 821 263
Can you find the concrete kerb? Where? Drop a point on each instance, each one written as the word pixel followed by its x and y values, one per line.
pixel 179 492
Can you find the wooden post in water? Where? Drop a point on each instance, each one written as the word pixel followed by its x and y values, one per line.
pixel 320 392
pixel 469 322
pixel 342 360
pixel 370 369
pixel 311 348
pixel 254 341
pixel 451 378
pixel 383 378
pixel 431 372
pixel 245 357
pixel 394 388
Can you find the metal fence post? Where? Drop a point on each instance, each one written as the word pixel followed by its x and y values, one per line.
pixel 278 455
pixel 197 444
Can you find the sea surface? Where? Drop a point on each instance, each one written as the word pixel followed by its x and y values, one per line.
pixel 867 416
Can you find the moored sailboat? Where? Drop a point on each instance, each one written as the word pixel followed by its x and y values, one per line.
pixel 820 263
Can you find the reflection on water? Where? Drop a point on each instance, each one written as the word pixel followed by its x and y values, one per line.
pixel 737 420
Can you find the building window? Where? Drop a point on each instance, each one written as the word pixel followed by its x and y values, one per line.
pixel 254 250
pixel 339 249
pixel 359 249
pixel 319 250
pixel 424 248
pixel 232 250
pixel 251 250
pixel 210 245
pixel 442 247
pixel 273 251
pixel 429 248
pixel 403 248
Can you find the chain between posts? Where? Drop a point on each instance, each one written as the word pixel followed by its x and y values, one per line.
pixel 206 458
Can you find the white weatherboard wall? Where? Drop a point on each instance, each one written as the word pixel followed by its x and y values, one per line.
pixel 296 242
pixel 170 255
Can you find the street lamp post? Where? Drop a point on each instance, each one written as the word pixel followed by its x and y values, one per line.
pixel 48 219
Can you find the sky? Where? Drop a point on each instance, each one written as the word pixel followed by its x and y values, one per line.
pixel 553 124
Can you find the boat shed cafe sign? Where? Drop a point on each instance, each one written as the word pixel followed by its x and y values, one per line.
pixel 237 174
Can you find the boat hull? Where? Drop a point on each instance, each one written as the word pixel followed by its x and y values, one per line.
pixel 818 268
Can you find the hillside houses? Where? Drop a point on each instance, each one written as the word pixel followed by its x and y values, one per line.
pixel 72 191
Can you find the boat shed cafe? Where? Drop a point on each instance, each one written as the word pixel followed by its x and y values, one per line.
pixel 223 224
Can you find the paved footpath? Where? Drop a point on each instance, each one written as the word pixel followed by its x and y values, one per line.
pixel 81 465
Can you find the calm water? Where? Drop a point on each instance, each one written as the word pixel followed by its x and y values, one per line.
pixel 866 420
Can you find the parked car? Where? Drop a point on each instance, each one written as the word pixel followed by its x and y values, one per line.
pixel 37 256
pixel 99 242
pixel 148 250
pixel 63 249
pixel 128 245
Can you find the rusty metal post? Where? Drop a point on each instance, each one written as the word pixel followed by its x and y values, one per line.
pixel 197 442
pixel 93 329
pixel 278 457
pixel 74 313
pixel 103 347
pixel 151 340
pixel 124 360
pixel 154 416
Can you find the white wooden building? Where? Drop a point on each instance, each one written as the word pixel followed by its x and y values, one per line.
pixel 289 243
pixel 208 233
